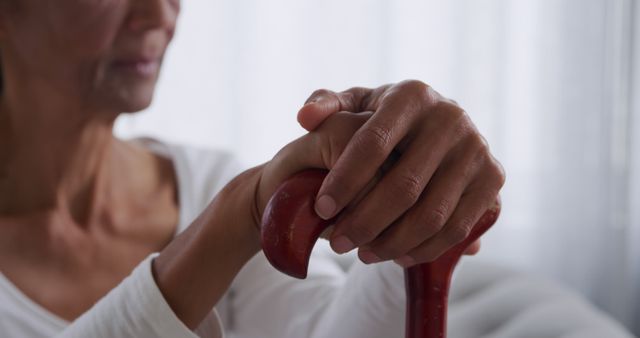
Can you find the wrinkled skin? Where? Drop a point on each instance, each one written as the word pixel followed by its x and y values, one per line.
pixel 73 195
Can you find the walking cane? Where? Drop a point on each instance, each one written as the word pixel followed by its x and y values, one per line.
pixel 291 227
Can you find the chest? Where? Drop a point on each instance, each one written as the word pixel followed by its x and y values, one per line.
pixel 67 281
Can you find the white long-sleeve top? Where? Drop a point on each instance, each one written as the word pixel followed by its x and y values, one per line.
pixel 358 302
pixel 260 303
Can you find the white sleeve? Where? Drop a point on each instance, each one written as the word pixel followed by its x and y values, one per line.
pixel 366 301
pixel 135 308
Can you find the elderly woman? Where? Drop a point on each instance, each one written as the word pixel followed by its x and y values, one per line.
pixel 101 237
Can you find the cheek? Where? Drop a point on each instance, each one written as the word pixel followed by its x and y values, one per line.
pixel 74 36
pixel 88 27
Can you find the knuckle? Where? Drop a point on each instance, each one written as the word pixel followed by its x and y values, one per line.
pixel 407 188
pixel 321 92
pixel 480 143
pixel 372 98
pixel 355 96
pixel 492 170
pixel 488 194
pixel 453 111
pixel 358 91
pixel 348 100
pixel 426 252
pixel 459 232
pixel 427 256
pixel 387 251
pixel 437 217
pixel 426 95
pixel 477 148
pixel 499 173
pixel 480 148
pixel 454 118
pixel 462 121
pixel 416 86
pixel 375 139
pixel 488 164
pixel 361 234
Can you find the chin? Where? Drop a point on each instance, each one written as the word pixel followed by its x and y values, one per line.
pixel 136 105
pixel 129 99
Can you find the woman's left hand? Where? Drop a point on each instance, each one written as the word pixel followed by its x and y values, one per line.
pixel 443 180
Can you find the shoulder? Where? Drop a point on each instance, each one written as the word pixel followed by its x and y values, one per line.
pixel 200 172
pixel 198 164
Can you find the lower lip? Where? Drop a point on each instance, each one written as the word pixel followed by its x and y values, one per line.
pixel 139 68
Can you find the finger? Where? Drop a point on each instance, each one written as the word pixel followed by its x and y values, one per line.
pixel 369 147
pixel 319 149
pixel 370 185
pixel 322 103
pixel 471 207
pixel 473 249
pixel 429 215
pixel 299 154
pixel 365 153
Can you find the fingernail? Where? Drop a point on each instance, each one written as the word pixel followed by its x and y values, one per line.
pixel 325 207
pixel 369 257
pixel 342 244
pixel 405 261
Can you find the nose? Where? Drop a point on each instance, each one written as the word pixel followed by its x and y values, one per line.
pixel 153 14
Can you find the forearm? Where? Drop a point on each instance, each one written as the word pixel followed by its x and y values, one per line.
pixel 196 269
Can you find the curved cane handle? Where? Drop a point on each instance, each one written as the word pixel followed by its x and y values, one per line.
pixel 290 225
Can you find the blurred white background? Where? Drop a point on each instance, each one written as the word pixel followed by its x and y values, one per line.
pixel 552 84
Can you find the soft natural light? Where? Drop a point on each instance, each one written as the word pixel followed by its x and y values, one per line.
pixel 548 82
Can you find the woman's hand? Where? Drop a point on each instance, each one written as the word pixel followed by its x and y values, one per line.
pixel 444 177
pixel 320 148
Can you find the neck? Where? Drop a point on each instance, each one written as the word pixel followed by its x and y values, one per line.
pixel 51 155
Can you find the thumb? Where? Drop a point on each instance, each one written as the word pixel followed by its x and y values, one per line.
pixel 324 103
pixel 319 149
pixel 313 113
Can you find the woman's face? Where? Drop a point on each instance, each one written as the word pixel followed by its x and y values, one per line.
pixel 106 54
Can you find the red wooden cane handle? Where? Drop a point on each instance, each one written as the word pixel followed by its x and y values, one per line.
pixel 290 225
pixel 290 229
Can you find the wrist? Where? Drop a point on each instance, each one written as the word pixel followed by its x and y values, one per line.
pixel 238 204
pixel 195 270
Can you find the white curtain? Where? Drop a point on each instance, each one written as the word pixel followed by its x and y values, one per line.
pixel 553 84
